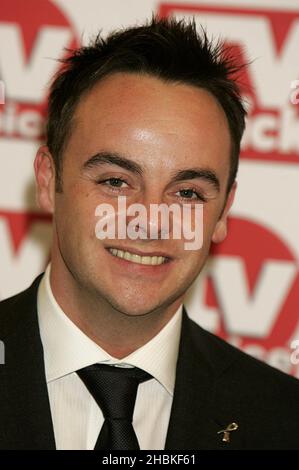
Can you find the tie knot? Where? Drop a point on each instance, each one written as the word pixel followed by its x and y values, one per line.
pixel 114 388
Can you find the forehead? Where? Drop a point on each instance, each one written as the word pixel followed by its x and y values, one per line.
pixel 151 114
pixel 146 97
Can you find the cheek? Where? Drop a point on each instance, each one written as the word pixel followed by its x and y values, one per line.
pixel 75 215
pixel 210 218
pixel 196 257
pixel 192 265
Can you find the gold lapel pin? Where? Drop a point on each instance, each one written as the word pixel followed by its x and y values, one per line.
pixel 226 432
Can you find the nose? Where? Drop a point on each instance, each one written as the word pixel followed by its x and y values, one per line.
pixel 153 220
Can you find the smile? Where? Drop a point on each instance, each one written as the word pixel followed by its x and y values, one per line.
pixel 147 260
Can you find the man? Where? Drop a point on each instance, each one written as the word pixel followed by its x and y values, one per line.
pixel 100 352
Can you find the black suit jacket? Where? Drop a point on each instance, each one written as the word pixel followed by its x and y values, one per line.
pixel 216 384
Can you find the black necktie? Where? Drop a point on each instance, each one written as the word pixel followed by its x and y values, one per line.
pixel 115 389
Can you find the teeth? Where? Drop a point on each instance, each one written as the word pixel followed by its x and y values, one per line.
pixel 148 260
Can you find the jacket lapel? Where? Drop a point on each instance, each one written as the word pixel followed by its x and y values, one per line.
pixel 24 405
pixel 204 402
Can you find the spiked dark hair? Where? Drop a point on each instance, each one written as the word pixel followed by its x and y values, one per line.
pixel 169 49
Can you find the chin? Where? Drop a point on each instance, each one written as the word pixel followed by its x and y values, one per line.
pixel 133 309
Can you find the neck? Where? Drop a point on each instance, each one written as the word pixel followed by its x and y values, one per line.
pixel 119 334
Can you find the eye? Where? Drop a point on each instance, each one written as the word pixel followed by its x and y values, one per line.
pixel 191 194
pixel 113 183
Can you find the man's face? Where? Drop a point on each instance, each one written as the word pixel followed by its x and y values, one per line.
pixel 162 129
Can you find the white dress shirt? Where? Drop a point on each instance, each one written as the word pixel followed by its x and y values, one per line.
pixel 77 419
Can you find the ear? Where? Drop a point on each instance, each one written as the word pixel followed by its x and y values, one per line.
pixel 45 179
pixel 220 230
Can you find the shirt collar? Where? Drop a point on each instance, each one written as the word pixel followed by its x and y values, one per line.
pixel 67 348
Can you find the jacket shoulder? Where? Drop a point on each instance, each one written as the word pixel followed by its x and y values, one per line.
pixel 235 361
pixel 260 398
pixel 16 308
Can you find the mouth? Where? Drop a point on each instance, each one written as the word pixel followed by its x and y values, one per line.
pixel 145 259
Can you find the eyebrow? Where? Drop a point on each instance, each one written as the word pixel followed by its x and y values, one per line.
pixel 198 173
pixel 103 158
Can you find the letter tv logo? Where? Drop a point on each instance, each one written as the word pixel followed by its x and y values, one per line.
pixel 32 35
pixel 269 41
